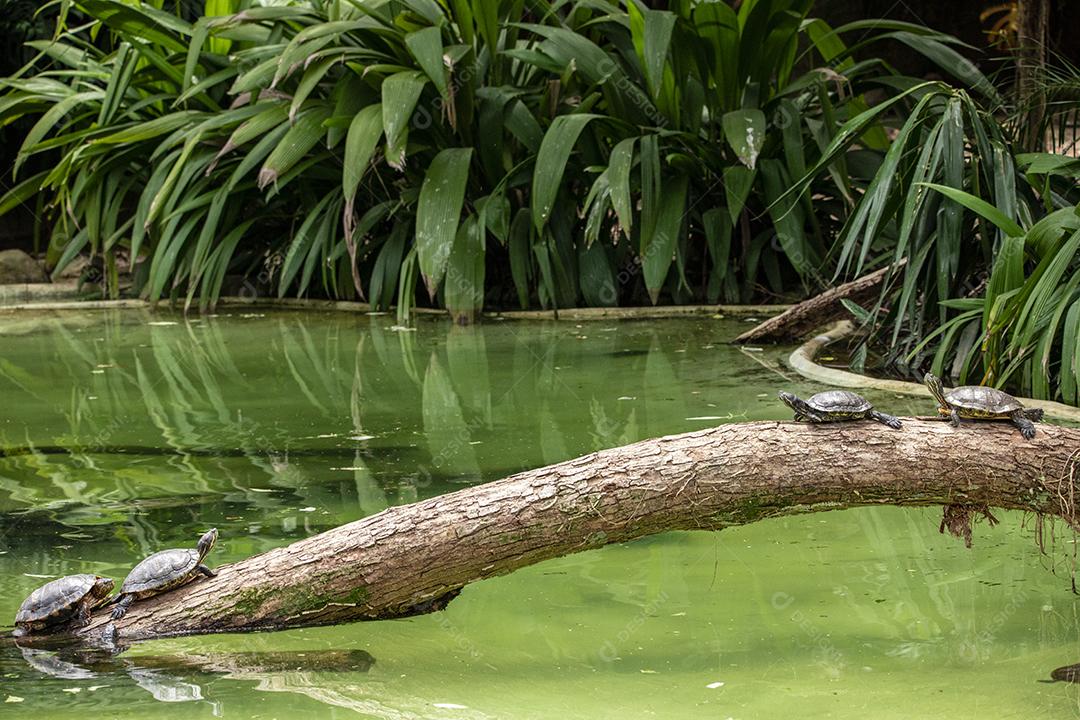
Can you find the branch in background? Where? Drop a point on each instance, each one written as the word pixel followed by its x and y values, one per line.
pixel 809 315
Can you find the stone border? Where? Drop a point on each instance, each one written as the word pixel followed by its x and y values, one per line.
pixel 639 313
pixel 802 361
pixel 30 293
pixel 574 314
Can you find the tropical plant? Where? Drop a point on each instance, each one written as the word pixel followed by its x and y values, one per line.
pixel 935 252
pixel 355 148
pixel 1023 329
pixel 192 143
pixel 982 245
pixel 705 125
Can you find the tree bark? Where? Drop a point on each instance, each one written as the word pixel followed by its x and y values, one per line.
pixel 1032 35
pixel 415 558
pixel 807 316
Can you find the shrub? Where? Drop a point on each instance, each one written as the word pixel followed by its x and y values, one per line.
pixel 556 154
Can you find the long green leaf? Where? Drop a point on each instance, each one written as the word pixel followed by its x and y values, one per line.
pixel 427 49
pixel 298 141
pixel 364 132
pixel 651 30
pixel 980 207
pixel 661 247
pixel 464 289
pixel 438 212
pixel 1070 356
pixel 399 95
pixel 745 133
pixel 551 161
pixel 620 163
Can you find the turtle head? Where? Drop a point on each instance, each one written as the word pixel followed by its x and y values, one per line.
pixel 206 542
pixel 933 383
pixel 101 589
pixel 802 409
pixel 789 399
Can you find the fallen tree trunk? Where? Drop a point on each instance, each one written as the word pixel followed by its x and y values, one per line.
pixel 415 558
pixel 806 317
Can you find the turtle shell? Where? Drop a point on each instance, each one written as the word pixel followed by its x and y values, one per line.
pixel 56 601
pixel 839 401
pixel 982 399
pixel 161 571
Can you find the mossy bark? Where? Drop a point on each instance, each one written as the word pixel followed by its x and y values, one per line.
pixel 415 558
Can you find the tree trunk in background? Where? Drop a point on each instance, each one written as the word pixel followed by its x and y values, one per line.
pixel 1032 37
pixel 811 314
pixel 415 558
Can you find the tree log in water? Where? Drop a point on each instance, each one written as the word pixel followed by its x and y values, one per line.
pixel 806 317
pixel 415 558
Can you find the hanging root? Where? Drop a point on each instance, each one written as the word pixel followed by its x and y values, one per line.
pixel 1064 488
pixel 957 520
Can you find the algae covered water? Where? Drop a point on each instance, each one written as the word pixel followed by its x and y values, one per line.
pixel 129 432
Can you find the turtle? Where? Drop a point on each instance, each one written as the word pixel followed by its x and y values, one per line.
pixel 835 406
pixel 163 571
pixel 978 402
pixel 66 599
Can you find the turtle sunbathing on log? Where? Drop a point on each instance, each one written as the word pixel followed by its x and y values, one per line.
pixel 163 571
pixel 978 402
pixel 836 406
pixel 67 600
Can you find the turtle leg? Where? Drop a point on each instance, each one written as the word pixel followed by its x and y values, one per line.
pixel 812 417
pixel 1019 419
pixel 82 615
pixel 933 384
pixel 206 571
pixel 885 419
pixel 121 607
pixel 1033 414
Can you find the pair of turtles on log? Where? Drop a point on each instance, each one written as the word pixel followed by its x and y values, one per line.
pixel 972 402
pixel 69 600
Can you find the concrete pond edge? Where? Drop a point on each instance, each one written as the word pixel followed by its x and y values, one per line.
pixel 43 297
pixel 803 361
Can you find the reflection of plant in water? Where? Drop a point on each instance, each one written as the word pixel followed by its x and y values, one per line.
pixel 161 416
pixel 608 431
pixel 448 434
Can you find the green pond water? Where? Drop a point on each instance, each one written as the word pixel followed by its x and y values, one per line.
pixel 132 432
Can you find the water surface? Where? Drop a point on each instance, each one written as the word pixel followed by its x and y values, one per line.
pixel 129 432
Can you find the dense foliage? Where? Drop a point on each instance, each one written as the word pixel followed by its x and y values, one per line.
pixel 522 152
pixel 588 152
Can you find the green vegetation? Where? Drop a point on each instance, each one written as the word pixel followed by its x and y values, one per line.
pixel 467 153
pixel 1023 328
pixel 348 148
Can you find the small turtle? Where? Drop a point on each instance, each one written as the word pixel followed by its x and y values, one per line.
pixel 163 571
pixel 67 599
pixel 835 406
pixel 1069 673
pixel 978 402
